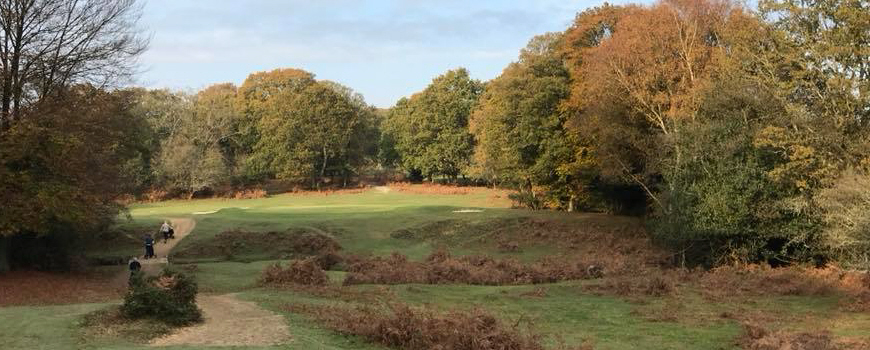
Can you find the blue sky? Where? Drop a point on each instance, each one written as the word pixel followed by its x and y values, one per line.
pixel 382 49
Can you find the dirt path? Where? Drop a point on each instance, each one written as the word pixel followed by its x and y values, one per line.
pixel 230 322
pixel 183 227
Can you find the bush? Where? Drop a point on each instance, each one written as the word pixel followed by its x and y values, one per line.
pixel 733 212
pixel 235 244
pixel 526 199
pixel 846 207
pixel 169 297
pixel 304 272
pixel 441 268
pixel 404 327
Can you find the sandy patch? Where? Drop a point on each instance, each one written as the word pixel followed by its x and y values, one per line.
pixel 205 212
pixel 468 211
pixel 383 189
pixel 230 322
pixel 217 210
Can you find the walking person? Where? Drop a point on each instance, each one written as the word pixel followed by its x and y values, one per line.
pixel 135 268
pixel 166 229
pixel 134 265
pixel 149 246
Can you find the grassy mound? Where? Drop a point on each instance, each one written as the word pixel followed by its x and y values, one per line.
pixel 442 268
pixel 239 245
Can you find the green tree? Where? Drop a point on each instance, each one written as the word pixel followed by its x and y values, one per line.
pixel 430 129
pixel 520 129
pixel 303 132
pixel 254 101
pixel 198 150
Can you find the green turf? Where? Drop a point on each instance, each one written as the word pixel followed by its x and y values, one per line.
pixel 42 327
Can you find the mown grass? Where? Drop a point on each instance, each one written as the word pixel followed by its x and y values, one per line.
pixel 42 327
pixel 361 222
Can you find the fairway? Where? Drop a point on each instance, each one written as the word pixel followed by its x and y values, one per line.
pixel 366 224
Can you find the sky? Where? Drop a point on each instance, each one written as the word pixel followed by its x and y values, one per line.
pixel 384 50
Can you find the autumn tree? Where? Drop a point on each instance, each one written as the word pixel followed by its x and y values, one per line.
pixel 430 129
pixel 62 168
pixel 65 144
pixel 818 149
pixel 520 129
pixel 50 44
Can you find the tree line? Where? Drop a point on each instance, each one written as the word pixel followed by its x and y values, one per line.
pixel 740 134
pixel 281 124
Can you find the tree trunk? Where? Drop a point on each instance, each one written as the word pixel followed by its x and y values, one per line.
pixel 4 254
pixel 322 168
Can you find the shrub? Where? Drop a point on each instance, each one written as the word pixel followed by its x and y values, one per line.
pixel 304 272
pixel 650 284
pixel 404 327
pixel 756 337
pixel 735 211
pixel 526 199
pixel 846 207
pixel 328 259
pixel 440 268
pixel 169 297
pixel 231 244
pixel 250 194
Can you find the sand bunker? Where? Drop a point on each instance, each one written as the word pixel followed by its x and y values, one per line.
pixel 468 211
pixel 217 210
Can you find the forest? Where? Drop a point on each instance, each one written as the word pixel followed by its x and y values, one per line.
pixel 739 134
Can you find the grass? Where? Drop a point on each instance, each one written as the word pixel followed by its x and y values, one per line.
pixel 43 327
pixel 366 223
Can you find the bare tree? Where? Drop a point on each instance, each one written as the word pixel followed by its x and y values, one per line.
pixel 49 44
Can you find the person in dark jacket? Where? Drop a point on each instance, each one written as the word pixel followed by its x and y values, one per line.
pixel 134 265
pixel 149 246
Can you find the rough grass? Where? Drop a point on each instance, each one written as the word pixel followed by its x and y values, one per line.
pixel 442 268
pixel 404 327
pixel 441 189
pixel 251 246
pixel 757 337
pixel 304 272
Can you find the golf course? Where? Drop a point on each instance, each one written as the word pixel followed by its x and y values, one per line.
pixel 619 308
